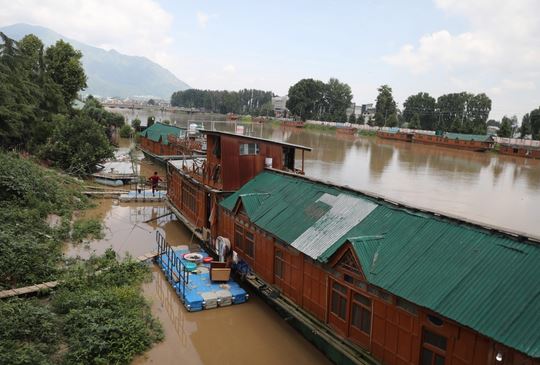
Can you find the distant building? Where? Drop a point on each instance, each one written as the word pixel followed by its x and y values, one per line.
pixel 279 105
pixel 367 111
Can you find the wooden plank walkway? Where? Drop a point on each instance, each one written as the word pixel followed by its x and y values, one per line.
pixel 32 289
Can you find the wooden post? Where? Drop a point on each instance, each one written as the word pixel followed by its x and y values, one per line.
pixel 303 161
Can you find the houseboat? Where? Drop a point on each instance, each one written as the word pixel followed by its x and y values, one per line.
pixel 162 142
pixel 519 150
pixel 374 282
pixel 346 130
pixel 471 142
pixel 197 184
pixel 396 134
pixel 293 123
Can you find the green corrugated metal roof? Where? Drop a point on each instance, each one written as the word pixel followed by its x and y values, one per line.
pixel 469 137
pixel 159 131
pixel 483 280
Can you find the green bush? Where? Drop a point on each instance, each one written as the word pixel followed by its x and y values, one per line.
pixel 126 131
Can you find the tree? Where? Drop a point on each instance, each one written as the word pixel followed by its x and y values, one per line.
pixel 136 124
pixel 422 106
pixel 493 123
pixel 306 98
pixel 534 117
pixel 338 98
pixel 77 144
pixel 385 105
pixel 505 129
pixel 126 131
pixel 151 102
pixel 463 112
pixel 393 120
pixel 63 63
pixel 414 122
pixel 525 128
pixel 150 121
pixel 352 118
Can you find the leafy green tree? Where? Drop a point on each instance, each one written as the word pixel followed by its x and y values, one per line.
pixel 136 124
pixel 393 120
pixel 414 122
pixel 421 105
pixel 77 144
pixel 493 123
pixel 306 98
pixel 385 105
pixel 534 118
pixel 338 98
pixel 505 129
pixel 525 128
pixel 63 63
pixel 352 118
pixel 126 131
pixel 463 112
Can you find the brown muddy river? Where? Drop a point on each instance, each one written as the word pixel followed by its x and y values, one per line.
pixel 250 333
pixel 497 190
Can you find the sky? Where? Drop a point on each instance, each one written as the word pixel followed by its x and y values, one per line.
pixel 435 46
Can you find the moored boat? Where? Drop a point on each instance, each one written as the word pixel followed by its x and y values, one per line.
pixel 470 142
pixel 396 134
pixel 519 150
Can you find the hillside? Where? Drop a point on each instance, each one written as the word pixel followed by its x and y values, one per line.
pixel 110 73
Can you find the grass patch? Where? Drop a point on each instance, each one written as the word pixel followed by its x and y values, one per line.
pixel 245 118
pixel 87 229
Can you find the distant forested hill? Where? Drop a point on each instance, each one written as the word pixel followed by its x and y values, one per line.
pixel 110 73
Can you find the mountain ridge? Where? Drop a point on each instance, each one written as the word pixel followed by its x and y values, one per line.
pixel 110 73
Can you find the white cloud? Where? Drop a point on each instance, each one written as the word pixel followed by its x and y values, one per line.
pixel 203 18
pixel 136 29
pixel 229 69
pixel 499 52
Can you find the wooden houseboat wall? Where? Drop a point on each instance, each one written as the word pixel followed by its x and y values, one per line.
pixel 521 151
pixel 454 140
pixel 231 161
pixel 390 328
pixel 400 136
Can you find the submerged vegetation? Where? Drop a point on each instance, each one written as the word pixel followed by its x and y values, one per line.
pixel 97 316
pixel 87 229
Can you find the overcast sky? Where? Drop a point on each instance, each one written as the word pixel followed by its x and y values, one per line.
pixel 438 46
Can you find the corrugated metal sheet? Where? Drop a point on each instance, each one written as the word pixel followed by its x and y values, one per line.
pixel 483 280
pixel 159 130
pixel 346 212
pixel 252 202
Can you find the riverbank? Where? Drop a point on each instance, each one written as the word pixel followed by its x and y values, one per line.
pixel 97 313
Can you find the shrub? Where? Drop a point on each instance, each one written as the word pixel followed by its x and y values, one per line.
pixel 126 131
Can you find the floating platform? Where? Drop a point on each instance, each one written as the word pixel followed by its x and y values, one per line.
pixel 143 196
pixel 195 288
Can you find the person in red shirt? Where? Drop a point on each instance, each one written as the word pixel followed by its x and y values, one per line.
pixel 154 179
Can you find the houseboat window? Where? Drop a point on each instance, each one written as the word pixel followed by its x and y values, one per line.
pixel 361 313
pixel 433 349
pixel 348 278
pixel 435 320
pixel 250 244
pixel 239 236
pixel 278 270
pixel 249 149
pixel 406 305
pixel 189 200
pixel 217 147
pixel 339 300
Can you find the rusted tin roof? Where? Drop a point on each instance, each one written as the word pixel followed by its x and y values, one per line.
pixel 485 280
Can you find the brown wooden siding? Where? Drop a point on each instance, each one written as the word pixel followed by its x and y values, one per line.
pixel 394 333
pixel 521 151
pixel 453 143
pixel 188 198
pixel 407 137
